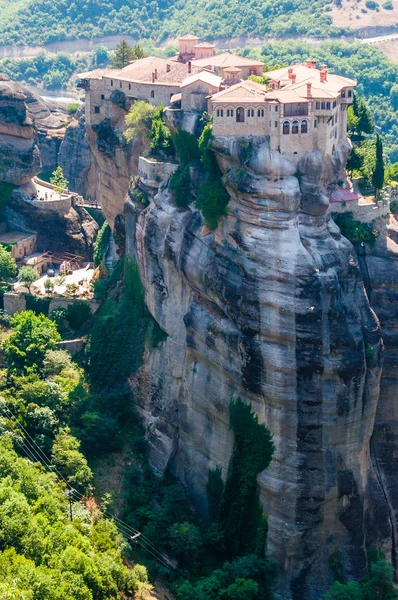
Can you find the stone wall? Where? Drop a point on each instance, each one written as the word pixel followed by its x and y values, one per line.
pixel 366 213
pixel 16 302
pixel 152 172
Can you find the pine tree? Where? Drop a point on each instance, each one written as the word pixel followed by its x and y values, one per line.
pixel 355 160
pixel 378 173
pixel 362 113
pixel 123 54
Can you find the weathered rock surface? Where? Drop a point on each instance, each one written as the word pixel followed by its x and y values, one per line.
pixel 77 160
pixel 73 231
pixel 19 153
pixel 271 308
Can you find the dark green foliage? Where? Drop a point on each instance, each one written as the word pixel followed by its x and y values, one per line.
pixel 378 173
pixel 212 197
pixel 37 305
pixel 336 566
pixel 378 583
pixel 72 108
pixel 355 231
pixel 186 146
pixel 119 333
pixel 180 184
pixel 253 449
pixel 215 490
pixel 355 160
pixel 159 134
pixel 122 55
pixel 101 243
pixel 58 315
pixel 77 314
pixel 394 207
pixel 6 190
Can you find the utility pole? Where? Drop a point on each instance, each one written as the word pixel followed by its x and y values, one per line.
pixel 133 538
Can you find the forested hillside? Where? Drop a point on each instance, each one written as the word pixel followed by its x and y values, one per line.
pixel 43 21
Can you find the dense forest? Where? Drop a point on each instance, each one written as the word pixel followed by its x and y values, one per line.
pixel 44 21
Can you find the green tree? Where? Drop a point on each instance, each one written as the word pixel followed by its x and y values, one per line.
pixel 71 462
pixel 59 181
pixel 122 55
pixel 355 161
pixel 138 52
pixel 345 591
pixel 32 335
pixel 378 173
pixel 49 285
pixel 352 120
pixel 242 589
pixel 8 267
pixel 27 276
pixel 138 120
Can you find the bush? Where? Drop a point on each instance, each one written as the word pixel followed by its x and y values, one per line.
pixel 38 305
pixel 353 230
pixel 101 243
pixel 371 5
pixel 58 315
pixel 388 5
pixel 72 108
pixel 180 184
pixel 8 267
pixel 77 314
pixel 394 207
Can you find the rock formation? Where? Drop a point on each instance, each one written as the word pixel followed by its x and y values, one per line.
pixel 271 307
pixel 19 153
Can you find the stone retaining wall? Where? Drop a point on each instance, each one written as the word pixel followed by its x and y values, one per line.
pixel 16 302
pixel 152 172
pixel 365 213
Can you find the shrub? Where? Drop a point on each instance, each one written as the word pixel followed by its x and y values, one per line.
pixel 138 120
pixel 180 184
pixel 38 305
pixel 77 314
pixel 72 108
pixel 58 315
pixel 27 276
pixel 388 5
pixel 101 243
pixel 371 5
pixel 353 230
pixel 159 134
pixel 186 145
pixel 8 267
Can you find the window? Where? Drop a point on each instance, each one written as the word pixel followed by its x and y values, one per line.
pixel 327 105
pixel 250 112
pixel 304 126
pixel 286 128
pixel 343 94
pixel 349 93
pixel 121 84
pixel 295 110
pixel 295 127
pixel 111 82
pixel 130 89
pixel 102 97
pixel 276 108
pixel 276 123
pixel 260 112
pixel 96 110
pixel 240 115
pixel 152 94
pixel 318 105
pixel 232 113
pixel 222 113
pixel 315 124
pixel 334 104
pixel 253 71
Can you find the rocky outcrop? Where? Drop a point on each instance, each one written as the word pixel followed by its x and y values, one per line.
pixel 271 307
pixel 116 160
pixel 77 160
pixel 74 231
pixel 19 153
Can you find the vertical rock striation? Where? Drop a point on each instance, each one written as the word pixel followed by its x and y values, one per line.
pixel 271 307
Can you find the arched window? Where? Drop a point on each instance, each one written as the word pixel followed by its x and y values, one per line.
pixel 286 127
pixel 152 94
pixel 304 126
pixel 240 115
pixel 295 127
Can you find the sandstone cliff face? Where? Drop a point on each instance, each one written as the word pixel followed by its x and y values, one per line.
pixel 271 308
pixel 19 153
pixel 77 160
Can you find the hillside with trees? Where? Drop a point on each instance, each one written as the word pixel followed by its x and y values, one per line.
pixel 44 21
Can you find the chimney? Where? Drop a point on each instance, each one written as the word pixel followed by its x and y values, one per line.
pixel 324 73
pixel 189 67
pixel 290 72
pixel 168 67
pixel 153 77
pixel 156 73
pixel 294 77
pixel 309 93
